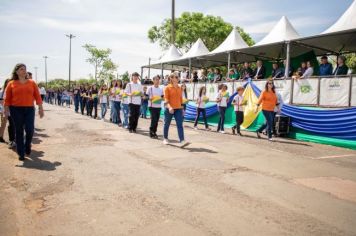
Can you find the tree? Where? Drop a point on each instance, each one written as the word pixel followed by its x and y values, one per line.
pixel 191 26
pixel 351 61
pixel 100 59
pixel 125 77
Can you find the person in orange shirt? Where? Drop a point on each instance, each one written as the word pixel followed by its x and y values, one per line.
pixel 19 101
pixel 269 101
pixel 173 108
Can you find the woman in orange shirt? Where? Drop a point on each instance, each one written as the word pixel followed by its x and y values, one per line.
pixel 269 101
pixel 173 108
pixel 19 101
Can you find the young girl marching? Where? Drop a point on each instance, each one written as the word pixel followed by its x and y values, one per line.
pixel 155 95
pixel 222 99
pixel 239 111
pixel 113 112
pixel 201 103
pixel 125 106
pixel 135 91
pixel 104 98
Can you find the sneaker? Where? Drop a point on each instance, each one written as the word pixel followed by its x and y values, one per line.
pixel 183 144
pixel 12 145
pixel 21 158
pixel 196 128
pixel 222 131
pixel 270 139
pixel 165 141
pixel 155 136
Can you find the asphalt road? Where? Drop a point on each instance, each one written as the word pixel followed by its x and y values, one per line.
pixel 88 177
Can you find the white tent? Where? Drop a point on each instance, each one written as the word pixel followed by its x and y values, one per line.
pixel 171 54
pixel 346 22
pixel 233 42
pixel 198 49
pixel 282 31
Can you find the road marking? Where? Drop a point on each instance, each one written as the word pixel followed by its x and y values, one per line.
pixel 337 156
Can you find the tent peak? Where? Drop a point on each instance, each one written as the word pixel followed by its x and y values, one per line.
pixel 346 22
pixel 198 49
pixel 233 42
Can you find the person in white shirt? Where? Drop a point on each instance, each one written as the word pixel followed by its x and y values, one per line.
pixel 43 93
pixel 239 110
pixel 104 98
pixel 222 100
pixel 155 99
pixel 184 76
pixel 201 103
pixel 135 91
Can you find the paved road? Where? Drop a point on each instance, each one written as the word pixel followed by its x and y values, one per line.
pixel 88 177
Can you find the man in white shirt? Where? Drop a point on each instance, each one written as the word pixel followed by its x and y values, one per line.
pixel 135 91
pixel 155 98
pixel 184 76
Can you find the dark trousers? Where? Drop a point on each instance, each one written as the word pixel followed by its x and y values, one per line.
pixel 11 129
pixel 134 116
pixel 76 103
pixel 117 105
pixel 24 119
pixel 95 107
pixel 89 107
pixel 203 111
pixel 59 100
pixel 222 111
pixel 155 114
pixel 83 104
pixel 268 124
pixel 239 120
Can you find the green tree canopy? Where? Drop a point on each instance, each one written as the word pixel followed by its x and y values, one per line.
pixel 191 26
pixel 100 59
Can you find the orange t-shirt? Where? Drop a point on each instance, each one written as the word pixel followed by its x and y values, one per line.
pixel 269 100
pixel 173 96
pixel 22 95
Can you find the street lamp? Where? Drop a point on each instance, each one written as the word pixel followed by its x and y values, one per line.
pixel 36 73
pixel 70 56
pixel 45 57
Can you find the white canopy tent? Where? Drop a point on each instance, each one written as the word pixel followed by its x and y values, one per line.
pixel 346 22
pixel 170 55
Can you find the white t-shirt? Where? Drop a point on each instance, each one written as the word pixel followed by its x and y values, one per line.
pixel 43 91
pixel 153 91
pixel 200 102
pixel 124 97
pixel 117 92
pixel 224 100
pixel 309 72
pixel 238 99
pixel 132 88
pixel 103 98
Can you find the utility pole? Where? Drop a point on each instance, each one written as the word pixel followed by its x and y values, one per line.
pixel 70 36
pixel 173 38
pixel 45 57
pixel 36 73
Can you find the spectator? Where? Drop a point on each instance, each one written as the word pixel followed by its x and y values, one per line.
pixel 260 71
pixel 184 76
pixel 236 70
pixel 307 72
pixel 233 75
pixel 341 68
pixel 290 70
pixel 217 76
pixel 211 75
pixel 277 72
pixel 246 71
pixel 325 68
pixel 195 77
pixel 203 75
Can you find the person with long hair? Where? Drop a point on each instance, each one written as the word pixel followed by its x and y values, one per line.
pixel 103 97
pixel 125 106
pixel 19 101
pixel 117 101
pixel 135 91
pixel 173 108
pixel 222 100
pixel 269 101
pixel 201 102
pixel 155 95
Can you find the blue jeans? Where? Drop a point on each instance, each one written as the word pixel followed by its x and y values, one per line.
pixel 103 110
pixel 117 105
pixel 269 115
pixel 76 103
pixel 144 110
pixel 113 113
pixel 125 110
pixel 24 119
pixel 178 116
pixel 222 111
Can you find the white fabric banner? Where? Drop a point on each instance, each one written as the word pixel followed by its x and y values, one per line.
pixel 190 91
pixel 353 92
pixel 283 88
pixel 305 91
pixel 334 91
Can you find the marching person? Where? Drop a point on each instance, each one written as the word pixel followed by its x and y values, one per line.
pixel 20 95
pixel 117 102
pixel 113 113
pixel 144 104
pixel 173 108
pixel 222 100
pixel 125 106
pixel 155 95
pixel 134 91
pixel 239 110
pixel 103 97
pixel 269 101
pixel 76 94
pixel 201 102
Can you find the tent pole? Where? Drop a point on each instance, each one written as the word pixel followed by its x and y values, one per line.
pixel 228 64
pixel 286 69
pixel 141 72
pixel 190 68
pixel 162 71
pixel 149 67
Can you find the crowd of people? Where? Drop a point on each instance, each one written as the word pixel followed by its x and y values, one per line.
pixel 245 71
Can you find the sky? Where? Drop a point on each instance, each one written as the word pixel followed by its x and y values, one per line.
pixel 32 29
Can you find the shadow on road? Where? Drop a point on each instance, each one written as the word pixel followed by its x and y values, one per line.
pixel 34 162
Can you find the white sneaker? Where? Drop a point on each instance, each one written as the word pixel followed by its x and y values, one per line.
pixel 270 139
pixel 222 131
pixel 165 141
pixel 183 144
